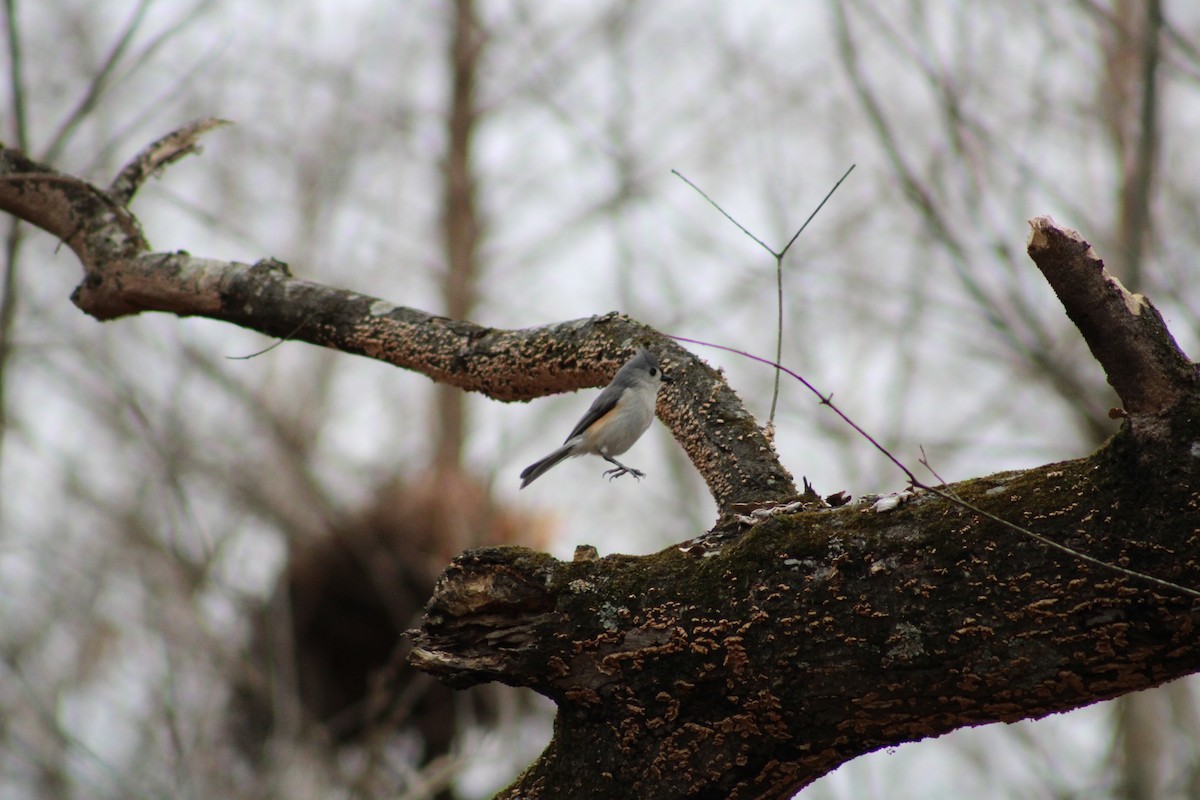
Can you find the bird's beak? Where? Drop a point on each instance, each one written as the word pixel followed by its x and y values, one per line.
pixel 666 379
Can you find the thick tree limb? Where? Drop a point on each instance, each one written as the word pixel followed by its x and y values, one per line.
pixel 721 438
pixel 751 668
pixel 818 637
pixel 821 636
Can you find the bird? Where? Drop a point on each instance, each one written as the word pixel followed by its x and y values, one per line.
pixel 617 418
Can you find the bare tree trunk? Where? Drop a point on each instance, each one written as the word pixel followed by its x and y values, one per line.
pixel 12 240
pixel 461 229
pixel 1129 97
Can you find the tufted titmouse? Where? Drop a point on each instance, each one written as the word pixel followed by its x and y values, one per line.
pixel 618 418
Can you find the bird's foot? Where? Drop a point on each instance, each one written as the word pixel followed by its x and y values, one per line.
pixel 620 470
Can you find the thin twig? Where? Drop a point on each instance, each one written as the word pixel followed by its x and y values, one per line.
pixel 948 495
pixel 778 335
pixel 778 271
pixel 817 210
pixel 16 76
pixel 98 85
pixel 724 213
pixel 779 289
pixel 303 322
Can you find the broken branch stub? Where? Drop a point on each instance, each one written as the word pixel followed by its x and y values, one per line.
pixel 1124 331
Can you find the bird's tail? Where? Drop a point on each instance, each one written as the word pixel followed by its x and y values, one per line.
pixel 539 468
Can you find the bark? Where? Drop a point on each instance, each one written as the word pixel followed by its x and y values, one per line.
pixel 750 660
pixel 815 637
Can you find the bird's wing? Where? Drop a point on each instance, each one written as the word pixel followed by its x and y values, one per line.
pixel 605 402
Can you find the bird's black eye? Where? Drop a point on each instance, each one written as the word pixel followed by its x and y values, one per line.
pixel 653 371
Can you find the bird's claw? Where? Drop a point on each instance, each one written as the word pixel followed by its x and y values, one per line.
pixel 617 472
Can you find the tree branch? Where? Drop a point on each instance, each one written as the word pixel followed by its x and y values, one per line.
pixel 1124 331
pixel 88 220
pixel 721 438
pixel 160 154
pixel 796 642
pixel 816 637
pixel 750 669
